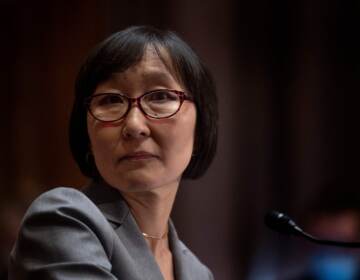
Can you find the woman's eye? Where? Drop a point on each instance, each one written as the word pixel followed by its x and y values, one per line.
pixel 161 96
pixel 111 100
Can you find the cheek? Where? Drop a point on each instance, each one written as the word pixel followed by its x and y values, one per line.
pixel 103 139
pixel 178 139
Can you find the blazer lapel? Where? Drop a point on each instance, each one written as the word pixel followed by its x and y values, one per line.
pixel 117 212
pixel 131 237
pixel 177 253
pixel 184 265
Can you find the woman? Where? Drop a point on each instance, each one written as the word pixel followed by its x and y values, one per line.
pixel 144 116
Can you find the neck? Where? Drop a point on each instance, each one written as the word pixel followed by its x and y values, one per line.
pixel 151 210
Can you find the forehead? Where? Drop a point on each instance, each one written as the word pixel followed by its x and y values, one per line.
pixel 156 63
pixel 152 65
pixel 155 68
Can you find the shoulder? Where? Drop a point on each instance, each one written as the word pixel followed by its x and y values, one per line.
pixel 59 199
pixel 59 196
pixel 65 207
pixel 56 225
pixel 64 202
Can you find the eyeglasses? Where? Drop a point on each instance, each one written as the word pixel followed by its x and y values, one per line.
pixel 157 104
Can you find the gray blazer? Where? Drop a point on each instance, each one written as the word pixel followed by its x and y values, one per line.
pixel 67 234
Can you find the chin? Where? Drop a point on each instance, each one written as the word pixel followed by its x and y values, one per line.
pixel 135 182
pixel 141 179
pixel 143 183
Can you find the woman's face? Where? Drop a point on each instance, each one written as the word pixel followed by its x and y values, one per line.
pixel 138 153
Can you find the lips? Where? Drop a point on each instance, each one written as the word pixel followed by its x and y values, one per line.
pixel 135 156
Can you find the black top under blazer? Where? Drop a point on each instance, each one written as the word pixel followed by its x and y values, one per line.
pixel 68 234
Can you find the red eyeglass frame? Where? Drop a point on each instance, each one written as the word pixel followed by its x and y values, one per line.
pixel 183 96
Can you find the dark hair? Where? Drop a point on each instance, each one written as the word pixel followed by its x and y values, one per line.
pixel 119 52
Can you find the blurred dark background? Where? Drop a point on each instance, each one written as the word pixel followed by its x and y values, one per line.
pixel 282 70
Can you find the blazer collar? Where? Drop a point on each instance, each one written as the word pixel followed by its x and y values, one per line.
pixel 115 209
pixel 184 266
pixel 108 200
pixel 178 254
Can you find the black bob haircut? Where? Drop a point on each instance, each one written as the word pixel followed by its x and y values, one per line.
pixel 124 49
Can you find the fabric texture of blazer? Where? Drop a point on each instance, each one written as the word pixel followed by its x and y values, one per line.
pixel 68 234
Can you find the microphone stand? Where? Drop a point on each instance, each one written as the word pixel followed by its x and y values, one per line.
pixel 280 222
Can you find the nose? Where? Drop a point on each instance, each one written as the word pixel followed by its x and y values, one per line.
pixel 135 124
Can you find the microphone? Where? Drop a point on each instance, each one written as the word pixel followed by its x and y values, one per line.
pixel 282 223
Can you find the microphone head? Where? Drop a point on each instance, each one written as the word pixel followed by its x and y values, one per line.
pixel 281 223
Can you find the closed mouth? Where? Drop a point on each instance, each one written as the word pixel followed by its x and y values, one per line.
pixel 137 156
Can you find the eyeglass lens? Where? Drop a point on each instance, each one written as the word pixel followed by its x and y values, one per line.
pixel 156 104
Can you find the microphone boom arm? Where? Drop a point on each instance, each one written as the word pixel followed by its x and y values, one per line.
pixel 282 223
